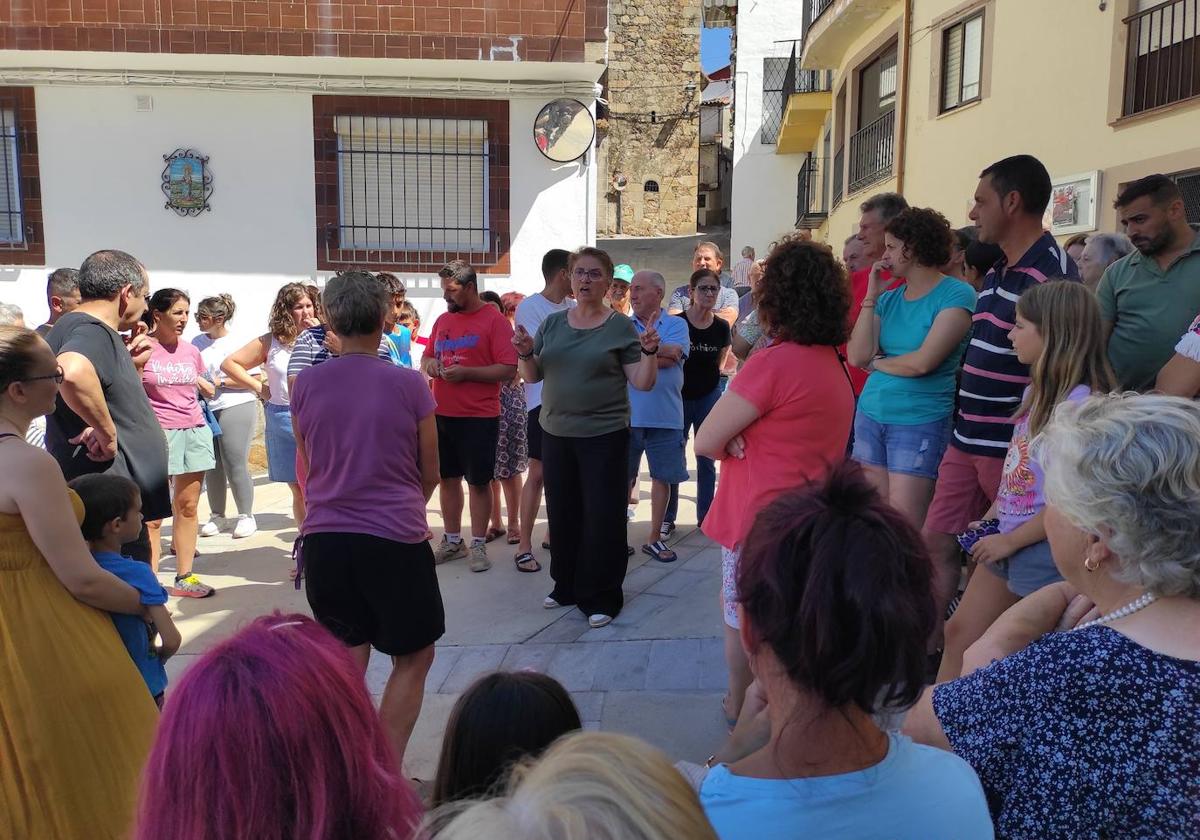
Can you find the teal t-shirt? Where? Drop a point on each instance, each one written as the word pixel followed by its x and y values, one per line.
pixel 903 326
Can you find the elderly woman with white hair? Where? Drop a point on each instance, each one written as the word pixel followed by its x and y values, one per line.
pixel 1099 252
pixel 1089 723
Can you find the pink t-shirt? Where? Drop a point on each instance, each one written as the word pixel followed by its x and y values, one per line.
pixel 806 408
pixel 358 417
pixel 169 378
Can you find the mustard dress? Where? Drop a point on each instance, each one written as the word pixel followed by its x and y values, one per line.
pixel 76 718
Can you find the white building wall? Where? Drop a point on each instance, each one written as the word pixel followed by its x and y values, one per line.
pixel 101 162
pixel 764 183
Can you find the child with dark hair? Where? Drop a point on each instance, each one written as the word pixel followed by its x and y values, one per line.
pixel 112 517
pixel 503 718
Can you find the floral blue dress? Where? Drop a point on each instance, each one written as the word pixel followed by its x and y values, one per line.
pixel 1082 735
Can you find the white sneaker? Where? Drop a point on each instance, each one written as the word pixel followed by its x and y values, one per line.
pixel 211 528
pixel 599 620
pixel 245 526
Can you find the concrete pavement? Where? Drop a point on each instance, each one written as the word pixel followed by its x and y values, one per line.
pixel 657 671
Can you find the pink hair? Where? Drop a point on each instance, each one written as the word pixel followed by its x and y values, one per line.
pixel 272 735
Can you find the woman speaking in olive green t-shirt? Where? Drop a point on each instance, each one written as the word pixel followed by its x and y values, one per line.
pixel 585 357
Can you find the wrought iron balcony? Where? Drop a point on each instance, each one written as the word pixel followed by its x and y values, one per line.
pixel 872 152
pixel 1162 62
pixel 810 202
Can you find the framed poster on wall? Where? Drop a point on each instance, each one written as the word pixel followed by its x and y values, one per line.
pixel 1072 206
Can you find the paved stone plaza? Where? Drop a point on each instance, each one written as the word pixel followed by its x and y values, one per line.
pixel 657 671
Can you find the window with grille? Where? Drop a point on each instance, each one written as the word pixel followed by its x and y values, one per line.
pixel 962 62
pixel 12 223
pixel 413 183
pixel 1189 187
pixel 774 75
pixel 650 186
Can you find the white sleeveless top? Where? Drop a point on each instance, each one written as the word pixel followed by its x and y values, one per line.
pixel 277 365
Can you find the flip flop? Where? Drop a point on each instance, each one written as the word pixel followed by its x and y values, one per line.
pixel 514 538
pixel 493 534
pixel 527 558
pixel 659 551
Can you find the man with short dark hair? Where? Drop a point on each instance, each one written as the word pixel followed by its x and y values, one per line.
pixel 472 355
pixel 555 296
pixel 103 420
pixel 62 296
pixel 1149 298
pixel 1010 201
pixel 876 212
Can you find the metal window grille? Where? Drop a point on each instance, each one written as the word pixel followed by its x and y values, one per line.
pixel 1162 60
pixel 774 75
pixel 650 186
pixel 12 221
pixel 810 199
pixel 962 59
pixel 1189 186
pixel 413 184
pixel 872 150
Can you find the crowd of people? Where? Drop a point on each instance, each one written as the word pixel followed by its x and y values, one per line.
pixel 958 508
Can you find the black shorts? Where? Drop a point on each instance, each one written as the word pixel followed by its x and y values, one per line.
pixel 533 433
pixel 368 590
pixel 467 448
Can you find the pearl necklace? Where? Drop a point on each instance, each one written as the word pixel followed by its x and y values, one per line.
pixel 1141 603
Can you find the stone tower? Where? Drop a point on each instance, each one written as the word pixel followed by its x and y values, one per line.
pixel 653 119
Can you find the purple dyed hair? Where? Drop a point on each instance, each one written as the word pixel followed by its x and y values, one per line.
pixel 272 735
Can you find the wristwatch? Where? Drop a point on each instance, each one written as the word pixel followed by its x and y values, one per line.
pixel 646 352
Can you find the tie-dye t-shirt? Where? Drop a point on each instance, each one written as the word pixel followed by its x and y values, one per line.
pixel 1021 495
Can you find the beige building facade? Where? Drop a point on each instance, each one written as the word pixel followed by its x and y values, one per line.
pixel 926 93
pixel 648 158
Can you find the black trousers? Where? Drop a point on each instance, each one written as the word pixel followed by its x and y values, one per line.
pixel 586 491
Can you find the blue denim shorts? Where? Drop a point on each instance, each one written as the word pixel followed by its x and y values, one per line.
pixel 909 450
pixel 665 452
pixel 1028 570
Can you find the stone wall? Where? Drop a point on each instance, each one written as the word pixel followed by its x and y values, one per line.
pixel 653 118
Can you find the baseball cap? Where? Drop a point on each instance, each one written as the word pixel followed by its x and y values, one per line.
pixel 624 273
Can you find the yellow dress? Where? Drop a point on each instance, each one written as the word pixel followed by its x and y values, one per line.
pixel 76 719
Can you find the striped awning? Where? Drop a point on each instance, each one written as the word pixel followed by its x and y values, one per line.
pixel 719 14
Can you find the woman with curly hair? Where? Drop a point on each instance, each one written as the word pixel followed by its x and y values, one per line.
pixel 292 312
pixel 785 418
pixel 910 339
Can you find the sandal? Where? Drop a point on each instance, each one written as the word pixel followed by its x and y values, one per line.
pixel 523 560
pixel 514 538
pixel 493 533
pixel 659 551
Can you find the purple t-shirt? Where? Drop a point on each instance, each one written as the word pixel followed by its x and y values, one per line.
pixel 169 378
pixel 1022 493
pixel 358 417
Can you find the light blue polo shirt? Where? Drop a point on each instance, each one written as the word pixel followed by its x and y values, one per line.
pixel 662 406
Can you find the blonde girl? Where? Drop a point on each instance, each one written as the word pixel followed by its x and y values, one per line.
pixel 1058 333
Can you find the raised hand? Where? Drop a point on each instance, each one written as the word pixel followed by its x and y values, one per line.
pixel 522 340
pixel 649 340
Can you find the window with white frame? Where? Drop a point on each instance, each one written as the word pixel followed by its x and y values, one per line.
pixel 962 62
pixel 12 226
pixel 413 183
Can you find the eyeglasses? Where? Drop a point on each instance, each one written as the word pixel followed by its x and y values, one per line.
pixel 708 290
pixel 586 274
pixel 57 376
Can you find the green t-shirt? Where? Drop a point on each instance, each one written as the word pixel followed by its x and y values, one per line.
pixel 1149 309
pixel 583 375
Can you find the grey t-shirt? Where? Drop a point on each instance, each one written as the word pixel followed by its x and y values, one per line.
pixel 141 444
pixel 583 375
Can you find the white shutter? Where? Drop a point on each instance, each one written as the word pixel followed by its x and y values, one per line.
pixel 952 67
pixel 972 57
pixel 11 232
pixel 413 183
pixel 887 82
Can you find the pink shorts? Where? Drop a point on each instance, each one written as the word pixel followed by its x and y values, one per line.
pixel 966 487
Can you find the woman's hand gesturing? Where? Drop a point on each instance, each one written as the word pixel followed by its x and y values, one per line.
pixel 523 341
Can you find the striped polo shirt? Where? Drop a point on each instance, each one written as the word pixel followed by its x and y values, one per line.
pixel 992 377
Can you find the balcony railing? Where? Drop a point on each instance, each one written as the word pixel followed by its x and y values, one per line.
pixel 816 8
pixel 1162 63
pixel 872 151
pixel 839 168
pixel 798 80
pixel 810 203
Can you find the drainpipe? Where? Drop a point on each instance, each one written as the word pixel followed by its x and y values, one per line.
pixel 902 130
